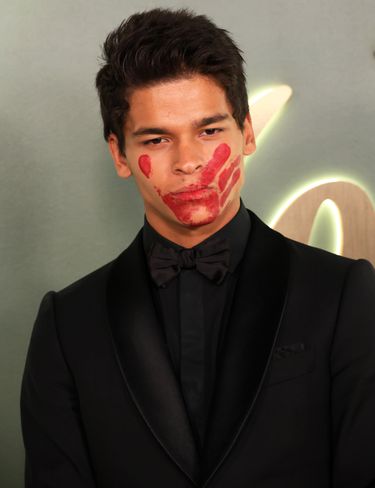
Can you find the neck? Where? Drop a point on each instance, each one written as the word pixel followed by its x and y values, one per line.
pixel 190 236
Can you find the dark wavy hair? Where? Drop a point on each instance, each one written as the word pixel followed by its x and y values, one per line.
pixel 160 45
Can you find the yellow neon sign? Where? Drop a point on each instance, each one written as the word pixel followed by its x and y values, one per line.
pixel 345 202
pixel 328 210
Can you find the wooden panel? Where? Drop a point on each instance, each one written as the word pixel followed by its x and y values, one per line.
pixel 357 214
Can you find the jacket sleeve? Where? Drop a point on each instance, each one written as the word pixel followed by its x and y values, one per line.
pixel 56 452
pixel 353 382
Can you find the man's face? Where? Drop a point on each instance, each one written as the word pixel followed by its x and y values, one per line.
pixel 185 151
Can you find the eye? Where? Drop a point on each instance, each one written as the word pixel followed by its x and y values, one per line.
pixel 211 132
pixel 155 141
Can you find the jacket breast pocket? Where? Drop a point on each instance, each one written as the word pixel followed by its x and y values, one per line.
pixel 289 362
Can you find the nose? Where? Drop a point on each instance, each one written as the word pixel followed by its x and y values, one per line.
pixel 187 160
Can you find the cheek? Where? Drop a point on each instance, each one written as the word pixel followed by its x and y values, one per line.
pixel 227 173
pixel 144 163
pixel 219 158
pixel 235 177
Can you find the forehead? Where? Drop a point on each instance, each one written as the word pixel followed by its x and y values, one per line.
pixel 178 102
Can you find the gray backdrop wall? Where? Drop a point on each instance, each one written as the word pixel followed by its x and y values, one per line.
pixel 64 212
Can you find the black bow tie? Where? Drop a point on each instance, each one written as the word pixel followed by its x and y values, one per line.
pixel 211 259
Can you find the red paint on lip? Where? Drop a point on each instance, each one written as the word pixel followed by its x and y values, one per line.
pixel 185 204
pixel 144 163
pixel 191 195
pixel 227 173
pixel 220 156
pixel 233 181
pixel 190 188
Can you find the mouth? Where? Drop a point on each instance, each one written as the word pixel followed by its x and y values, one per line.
pixel 191 192
pixel 189 189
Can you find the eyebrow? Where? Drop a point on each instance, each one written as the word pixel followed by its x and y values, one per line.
pixel 210 120
pixel 196 124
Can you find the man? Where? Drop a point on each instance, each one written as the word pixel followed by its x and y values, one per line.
pixel 212 351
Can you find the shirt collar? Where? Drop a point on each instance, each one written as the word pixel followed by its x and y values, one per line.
pixel 235 232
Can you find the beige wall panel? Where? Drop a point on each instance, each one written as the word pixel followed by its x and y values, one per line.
pixel 357 216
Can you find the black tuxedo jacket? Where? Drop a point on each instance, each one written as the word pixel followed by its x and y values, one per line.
pixel 294 404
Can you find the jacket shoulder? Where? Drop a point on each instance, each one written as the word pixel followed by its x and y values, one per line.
pixel 302 256
pixel 318 265
pixel 305 252
pixel 93 279
pixel 96 279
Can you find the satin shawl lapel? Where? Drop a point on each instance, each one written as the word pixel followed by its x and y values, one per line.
pixel 143 358
pixel 250 336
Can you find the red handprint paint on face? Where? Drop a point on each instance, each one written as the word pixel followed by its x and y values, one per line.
pixel 144 163
pixel 200 203
pixel 227 173
pixel 221 154
pixel 233 181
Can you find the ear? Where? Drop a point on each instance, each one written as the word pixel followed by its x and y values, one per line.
pixel 249 138
pixel 121 164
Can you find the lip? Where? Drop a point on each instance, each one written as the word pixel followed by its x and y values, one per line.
pixel 191 192
pixel 190 189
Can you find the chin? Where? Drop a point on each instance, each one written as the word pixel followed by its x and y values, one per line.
pixel 199 221
pixel 195 217
pixel 195 213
